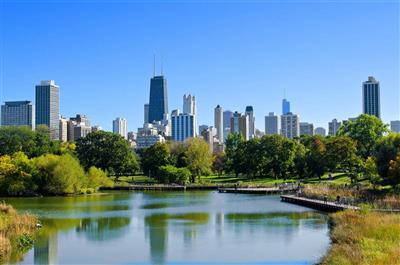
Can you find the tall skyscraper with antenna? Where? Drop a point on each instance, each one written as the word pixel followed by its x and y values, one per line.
pixel 158 101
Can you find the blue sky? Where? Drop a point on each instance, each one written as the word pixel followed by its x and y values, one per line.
pixel 232 53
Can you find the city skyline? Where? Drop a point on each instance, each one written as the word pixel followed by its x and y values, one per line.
pixel 317 96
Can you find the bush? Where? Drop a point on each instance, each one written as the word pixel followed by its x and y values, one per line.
pixel 171 174
pixel 97 178
pixel 59 175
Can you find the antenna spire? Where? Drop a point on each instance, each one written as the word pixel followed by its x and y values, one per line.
pixel 154 64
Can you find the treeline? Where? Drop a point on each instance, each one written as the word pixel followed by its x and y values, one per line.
pixel 363 149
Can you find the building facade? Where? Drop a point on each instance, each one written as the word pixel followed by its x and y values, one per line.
pixel 371 97
pixel 272 124
pixel 48 106
pixel 18 113
pixel 120 126
pixel 148 136
pixel 63 129
pixel 219 123
pixel 333 127
pixel 146 113
pixel 189 107
pixel 158 103
pixel 320 131
pixel 395 126
pixel 306 128
pixel 252 121
pixel 182 126
pixel 240 124
pixel 227 115
pixel 285 106
pixel 290 125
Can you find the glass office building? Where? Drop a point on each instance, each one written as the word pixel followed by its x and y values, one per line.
pixel 48 106
pixel 158 104
pixel 18 113
pixel 371 97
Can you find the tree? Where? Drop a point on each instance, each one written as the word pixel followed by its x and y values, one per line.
pixel 198 157
pixel 371 171
pixel 107 151
pixel 366 130
pixel 96 178
pixel 21 138
pixel 58 175
pixel 341 153
pixel 153 158
pixel 218 163
pixel 394 171
pixel 16 175
pixel 315 155
pixel 171 174
pixel 234 153
pixel 387 150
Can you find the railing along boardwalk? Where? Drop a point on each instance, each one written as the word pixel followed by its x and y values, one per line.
pixel 317 204
pixel 258 190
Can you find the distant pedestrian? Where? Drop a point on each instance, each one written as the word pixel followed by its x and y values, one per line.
pixel 325 199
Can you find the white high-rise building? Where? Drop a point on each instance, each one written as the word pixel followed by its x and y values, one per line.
pixel 290 125
pixel 272 124
pixel 189 107
pixel 120 126
pixel 63 129
pixel 252 121
pixel 334 126
pixel 182 126
pixel 219 123
pixel 306 128
pixel 395 126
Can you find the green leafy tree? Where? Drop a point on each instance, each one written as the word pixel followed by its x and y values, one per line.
pixel 394 171
pixel 153 158
pixel 198 157
pixel 96 178
pixel 16 175
pixel 341 153
pixel 171 174
pixel 234 153
pixel 371 171
pixel 218 163
pixel 315 155
pixel 107 151
pixel 387 150
pixel 366 130
pixel 58 175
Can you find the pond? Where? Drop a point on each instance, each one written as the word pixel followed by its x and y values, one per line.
pixel 174 227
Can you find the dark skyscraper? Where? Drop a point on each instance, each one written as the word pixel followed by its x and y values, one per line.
pixel 158 104
pixel 48 106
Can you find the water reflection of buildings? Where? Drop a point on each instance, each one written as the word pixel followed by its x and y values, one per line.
pixel 157 227
pixel 45 250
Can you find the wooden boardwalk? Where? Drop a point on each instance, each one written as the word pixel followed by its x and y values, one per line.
pixel 257 190
pixel 317 204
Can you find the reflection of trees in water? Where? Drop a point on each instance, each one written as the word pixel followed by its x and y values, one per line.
pixel 45 249
pixel 107 228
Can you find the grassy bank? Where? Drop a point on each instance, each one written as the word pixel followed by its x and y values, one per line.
pixel 362 238
pixel 16 233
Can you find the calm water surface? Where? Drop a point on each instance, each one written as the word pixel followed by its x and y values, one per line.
pixel 174 227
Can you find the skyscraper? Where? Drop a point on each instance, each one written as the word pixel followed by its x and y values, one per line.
pixel 272 124
pixel 227 118
pixel 219 123
pixel 146 113
pixel 158 103
pixel 333 127
pixel 120 126
pixel 63 127
pixel 371 97
pixel 189 107
pixel 48 106
pixel 183 126
pixel 306 128
pixel 240 124
pixel 285 106
pixel 290 125
pixel 252 120
pixel 18 113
